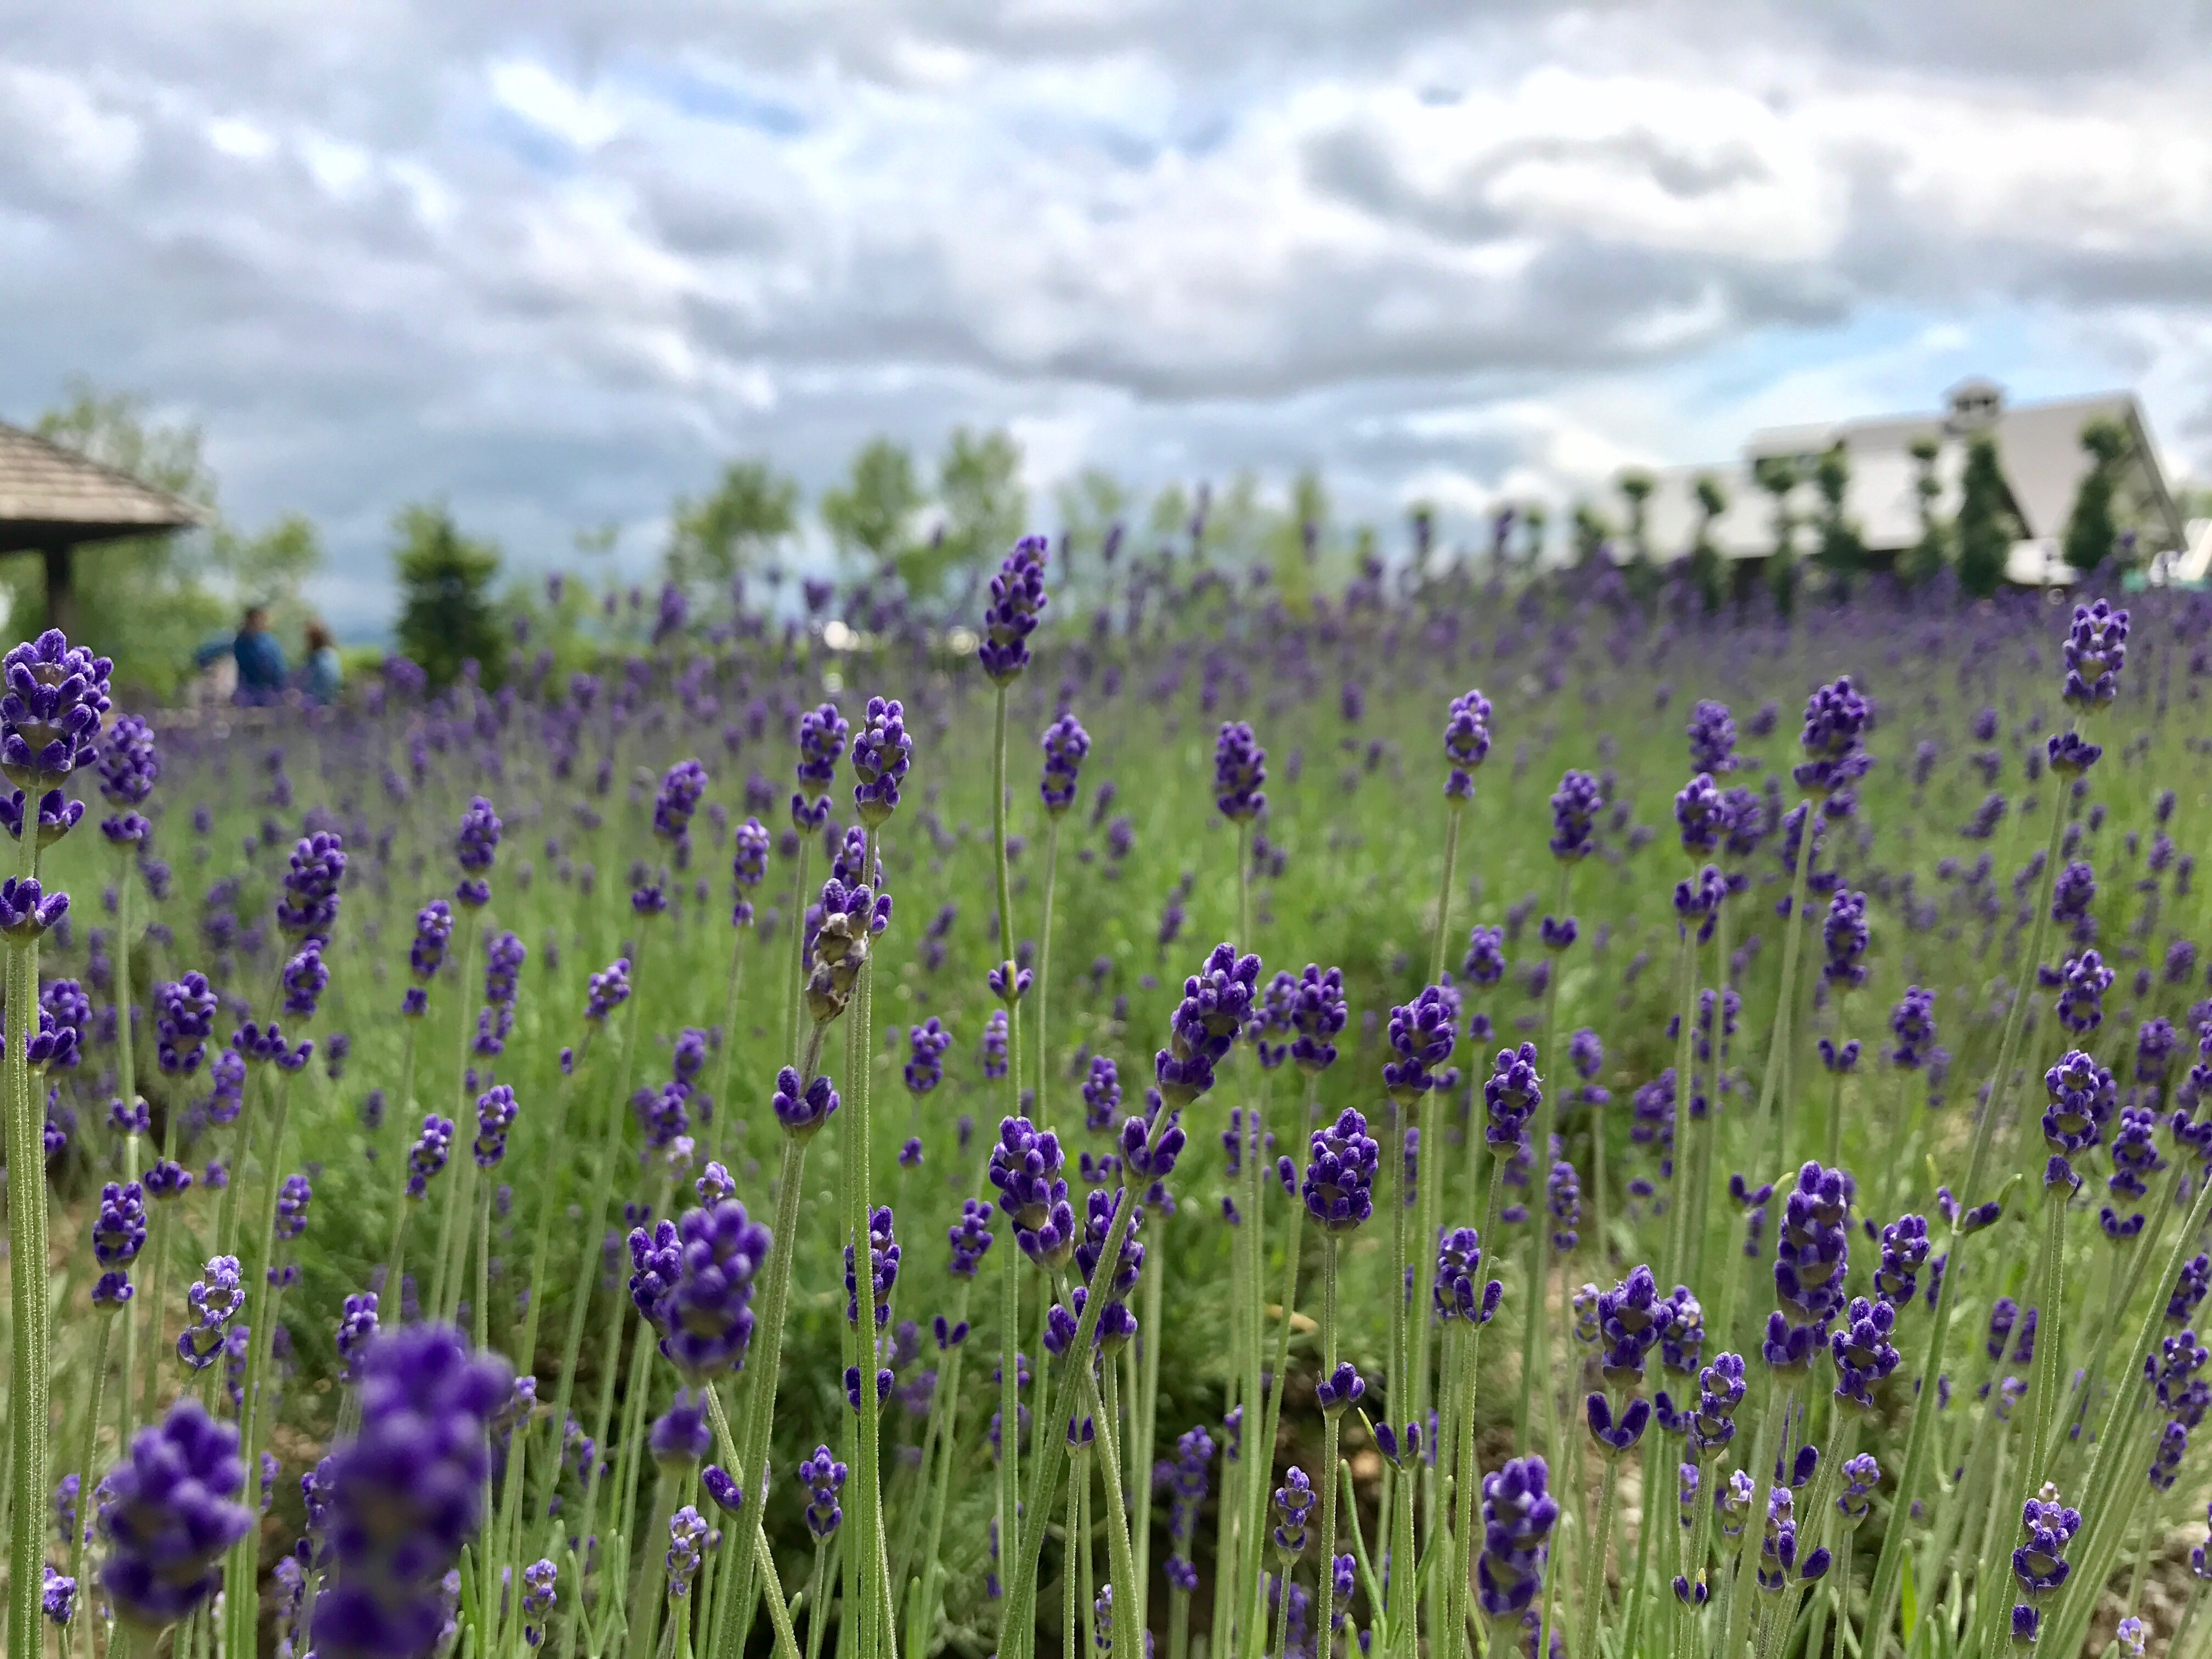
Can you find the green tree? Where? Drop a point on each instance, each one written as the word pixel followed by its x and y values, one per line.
pixel 1986 525
pixel 446 616
pixel 730 530
pixel 1704 557
pixel 1094 509
pixel 1532 523
pixel 1778 474
pixel 979 486
pixel 1590 533
pixel 143 602
pixel 1841 551
pixel 1636 488
pixel 2092 528
pixel 1926 557
pixel 871 514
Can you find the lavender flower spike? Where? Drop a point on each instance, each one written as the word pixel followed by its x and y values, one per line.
pixel 168 1513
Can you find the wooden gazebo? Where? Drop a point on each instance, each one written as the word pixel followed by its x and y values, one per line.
pixel 53 501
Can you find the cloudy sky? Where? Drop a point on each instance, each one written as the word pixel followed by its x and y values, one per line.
pixel 552 261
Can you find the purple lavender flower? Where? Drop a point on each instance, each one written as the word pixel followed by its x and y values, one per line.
pixel 2082 983
pixel 357 1326
pixel 883 1255
pixel 1239 767
pixel 682 786
pixel 693 1280
pixel 823 1478
pixel 970 1239
pixel 309 907
pixel 1912 1021
pixel 539 1599
pixel 2072 892
pixel 925 1047
pixel 1186 1481
pixel 475 844
pixel 1512 1095
pixel 2040 1564
pixel 168 1512
pixel 118 1231
pixel 607 991
pixel 495 1111
pixel 1025 1167
pixel 881 754
pixel 293 1197
pixel 748 867
pixel 1862 1350
pixel 680 1437
pixel 305 978
pixel 1518 1515
pixel 1484 962
pixel 1836 720
pixel 1421 1035
pixel 2155 1041
pixel 50 715
pixel 1339 1174
pixel 1293 1500
pixel 2095 651
pixel 1564 1200
pixel 1720 1391
pixel 1467 742
pixel 994 1046
pixel 1844 934
pixel 434 927
pixel 1712 738
pixel 1574 806
pixel 1102 1094
pixel 1065 744
pixel 1315 1008
pixel 2070 754
pixel 406 1492
pixel 2083 1098
pixel 429 1154
pixel 1018 601
pixel 212 1303
pixel 26 911
pixel 1459 1259
pixel 129 763
pixel 1812 1254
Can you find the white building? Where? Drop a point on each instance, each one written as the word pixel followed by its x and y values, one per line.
pixel 2038 452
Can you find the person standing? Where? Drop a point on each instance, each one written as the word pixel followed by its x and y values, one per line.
pixel 325 676
pixel 260 659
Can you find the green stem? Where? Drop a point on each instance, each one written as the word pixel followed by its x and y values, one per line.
pixel 1044 974
pixel 765 1365
pixel 2016 1013
pixel 452 1233
pixel 1593 1569
pixel 1021 1598
pixel 1332 1428
pixel 29 1408
pixel 1773 1099
pixel 595 1226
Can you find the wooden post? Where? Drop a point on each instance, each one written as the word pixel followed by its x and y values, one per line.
pixel 61 590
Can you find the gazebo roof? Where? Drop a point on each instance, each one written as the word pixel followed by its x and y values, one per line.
pixel 50 497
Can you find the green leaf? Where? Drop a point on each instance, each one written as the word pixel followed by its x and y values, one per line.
pixel 1909 1608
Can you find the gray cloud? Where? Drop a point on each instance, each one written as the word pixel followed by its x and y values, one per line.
pixel 554 262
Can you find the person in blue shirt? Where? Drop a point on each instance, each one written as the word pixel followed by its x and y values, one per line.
pixel 323 676
pixel 260 659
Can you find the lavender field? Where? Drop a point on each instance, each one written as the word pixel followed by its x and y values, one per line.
pixel 1180 1126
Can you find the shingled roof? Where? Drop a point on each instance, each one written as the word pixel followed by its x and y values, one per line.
pixel 50 497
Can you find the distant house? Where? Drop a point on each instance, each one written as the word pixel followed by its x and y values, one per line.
pixel 2038 452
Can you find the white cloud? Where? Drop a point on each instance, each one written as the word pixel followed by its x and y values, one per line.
pixel 555 263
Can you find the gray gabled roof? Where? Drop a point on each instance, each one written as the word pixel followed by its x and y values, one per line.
pixel 50 497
